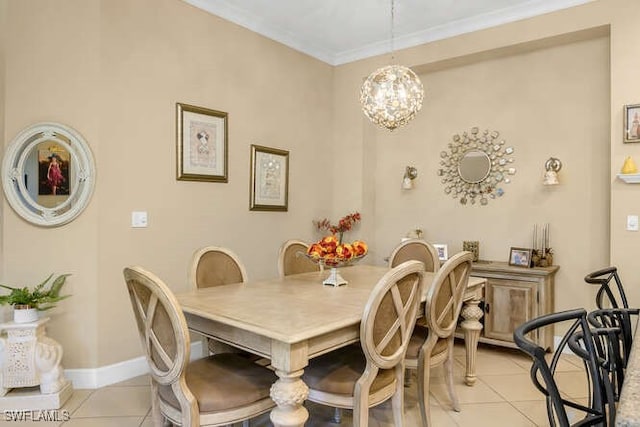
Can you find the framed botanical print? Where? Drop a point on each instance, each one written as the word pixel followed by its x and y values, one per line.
pixel 202 142
pixel 269 179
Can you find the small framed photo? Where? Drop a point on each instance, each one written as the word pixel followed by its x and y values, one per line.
pixel 269 179
pixel 201 144
pixel 632 123
pixel 443 253
pixel 520 257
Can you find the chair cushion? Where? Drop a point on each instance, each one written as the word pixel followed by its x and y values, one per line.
pixel 223 381
pixel 419 336
pixel 337 372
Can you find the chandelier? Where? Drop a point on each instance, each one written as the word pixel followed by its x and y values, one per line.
pixel 392 95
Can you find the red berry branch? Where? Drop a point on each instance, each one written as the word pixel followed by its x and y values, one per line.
pixel 344 224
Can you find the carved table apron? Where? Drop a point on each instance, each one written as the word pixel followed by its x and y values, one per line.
pixel 293 319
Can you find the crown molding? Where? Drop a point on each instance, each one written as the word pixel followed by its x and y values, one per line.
pixel 495 18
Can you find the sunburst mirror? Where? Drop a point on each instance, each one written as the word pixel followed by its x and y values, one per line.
pixel 476 167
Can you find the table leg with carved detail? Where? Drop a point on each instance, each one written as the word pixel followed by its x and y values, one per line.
pixel 289 392
pixel 471 313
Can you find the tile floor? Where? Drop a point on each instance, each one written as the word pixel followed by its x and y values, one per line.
pixel 502 396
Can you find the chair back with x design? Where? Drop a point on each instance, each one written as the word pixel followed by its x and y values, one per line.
pixel 162 328
pixel 164 335
pixel 444 301
pixel 390 314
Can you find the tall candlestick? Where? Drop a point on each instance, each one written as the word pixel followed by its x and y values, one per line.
pixel 549 240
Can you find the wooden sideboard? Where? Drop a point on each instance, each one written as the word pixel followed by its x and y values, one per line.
pixel 513 295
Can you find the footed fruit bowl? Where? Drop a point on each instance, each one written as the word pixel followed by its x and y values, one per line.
pixel 329 252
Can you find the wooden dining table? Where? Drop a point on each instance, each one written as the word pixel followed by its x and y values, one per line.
pixel 293 319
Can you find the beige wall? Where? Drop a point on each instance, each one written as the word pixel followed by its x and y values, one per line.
pixel 114 69
pixel 559 65
pixel 52 74
pixel 538 102
pixel 625 89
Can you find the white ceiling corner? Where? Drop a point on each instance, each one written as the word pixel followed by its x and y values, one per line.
pixel 339 31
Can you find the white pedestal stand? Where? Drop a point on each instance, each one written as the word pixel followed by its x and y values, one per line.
pixel 29 359
pixel 334 279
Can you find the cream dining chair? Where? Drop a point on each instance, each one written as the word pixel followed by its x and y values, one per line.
pixel 417 249
pixel 216 266
pixel 359 378
pixel 432 344
pixel 292 259
pixel 217 390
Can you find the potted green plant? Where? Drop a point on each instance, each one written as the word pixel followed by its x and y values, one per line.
pixel 27 302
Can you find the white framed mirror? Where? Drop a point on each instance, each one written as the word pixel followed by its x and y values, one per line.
pixel 48 174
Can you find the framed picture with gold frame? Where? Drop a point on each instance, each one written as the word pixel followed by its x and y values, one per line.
pixel 202 141
pixel 632 123
pixel 269 179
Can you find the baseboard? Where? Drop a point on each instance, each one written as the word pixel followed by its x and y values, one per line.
pixel 117 372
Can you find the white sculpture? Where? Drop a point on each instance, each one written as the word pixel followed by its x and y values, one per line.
pixel 48 357
pixel 30 358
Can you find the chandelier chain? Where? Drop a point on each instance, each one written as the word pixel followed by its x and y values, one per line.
pixel 392 95
pixel 393 13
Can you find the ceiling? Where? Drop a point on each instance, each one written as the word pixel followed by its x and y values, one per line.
pixel 342 31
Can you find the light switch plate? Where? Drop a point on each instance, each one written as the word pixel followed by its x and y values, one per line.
pixel 632 222
pixel 138 219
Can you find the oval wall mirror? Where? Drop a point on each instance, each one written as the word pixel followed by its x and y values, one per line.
pixel 48 174
pixel 476 166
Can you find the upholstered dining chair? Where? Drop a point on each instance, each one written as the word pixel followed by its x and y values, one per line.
pixel 215 266
pixel 217 390
pixel 432 343
pixel 292 259
pixel 419 250
pixel 415 249
pixel 362 377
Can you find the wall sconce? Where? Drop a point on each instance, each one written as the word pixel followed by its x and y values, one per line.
pixel 552 167
pixel 409 175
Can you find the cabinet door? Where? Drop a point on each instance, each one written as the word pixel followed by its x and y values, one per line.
pixel 508 303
